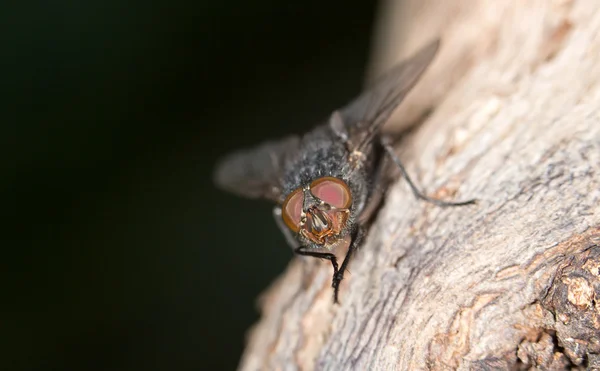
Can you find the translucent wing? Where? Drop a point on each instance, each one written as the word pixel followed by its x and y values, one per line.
pixel 256 172
pixel 364 116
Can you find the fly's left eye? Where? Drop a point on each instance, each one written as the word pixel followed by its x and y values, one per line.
pixel 292 209
pixel 332 190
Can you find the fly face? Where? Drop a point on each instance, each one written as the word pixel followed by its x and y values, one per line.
pixel 328 183
pixel 319 211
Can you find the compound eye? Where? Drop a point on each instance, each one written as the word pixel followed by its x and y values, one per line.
pixel 332 190
pixel 292 209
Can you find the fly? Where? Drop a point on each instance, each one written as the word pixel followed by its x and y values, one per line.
pixel 328 183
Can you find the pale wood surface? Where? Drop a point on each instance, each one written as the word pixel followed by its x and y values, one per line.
pixel 513 282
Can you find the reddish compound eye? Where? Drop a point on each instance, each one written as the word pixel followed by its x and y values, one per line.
pixel 292 209
pixel 333 191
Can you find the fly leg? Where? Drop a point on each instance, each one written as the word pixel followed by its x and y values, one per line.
pixel 301 250
pixel 323 255
pixel 357 237
pixel 386 143
pixel 338 272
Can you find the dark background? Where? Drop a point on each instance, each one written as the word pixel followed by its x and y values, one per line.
pixel 118 252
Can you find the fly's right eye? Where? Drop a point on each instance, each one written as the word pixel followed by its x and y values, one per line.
pixel 292 209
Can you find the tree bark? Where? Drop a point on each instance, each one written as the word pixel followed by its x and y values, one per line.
pixel 510 283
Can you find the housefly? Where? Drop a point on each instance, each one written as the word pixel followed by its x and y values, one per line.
pixel 328 183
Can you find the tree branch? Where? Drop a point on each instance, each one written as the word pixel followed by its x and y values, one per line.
pixel 511 282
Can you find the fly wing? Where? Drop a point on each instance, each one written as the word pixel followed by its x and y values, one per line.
pixel 364 116
pixel 256 172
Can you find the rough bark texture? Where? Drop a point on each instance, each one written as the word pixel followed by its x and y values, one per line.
pixel 510 283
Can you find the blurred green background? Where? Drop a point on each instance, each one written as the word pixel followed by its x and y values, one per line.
pixel 119 253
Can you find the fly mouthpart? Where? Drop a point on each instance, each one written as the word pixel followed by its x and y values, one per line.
pixel 320 222
pixel 323 226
